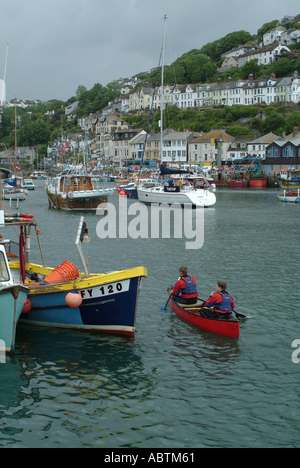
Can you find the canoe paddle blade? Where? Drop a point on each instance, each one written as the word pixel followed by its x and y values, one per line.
pixel 164 308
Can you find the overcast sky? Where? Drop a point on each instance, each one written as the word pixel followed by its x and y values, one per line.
pixel 57 45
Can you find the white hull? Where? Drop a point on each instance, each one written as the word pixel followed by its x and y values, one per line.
pixel 201 198
pixel 288 199
pixel 81 194
pixel 14 196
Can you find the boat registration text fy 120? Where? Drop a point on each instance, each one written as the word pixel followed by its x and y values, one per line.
pixel 106 290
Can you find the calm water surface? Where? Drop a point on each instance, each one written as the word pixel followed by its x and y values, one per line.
pixel 172 386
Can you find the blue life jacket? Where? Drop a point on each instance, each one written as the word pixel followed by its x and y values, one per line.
pixel 226 304
pixel 190 287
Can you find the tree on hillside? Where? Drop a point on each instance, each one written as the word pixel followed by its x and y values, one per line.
pixel 215 49
pixel 267 27
pixel 250 68
pixel 80 90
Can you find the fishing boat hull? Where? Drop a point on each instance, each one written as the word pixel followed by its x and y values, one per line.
pixel 258 183
pixel 77 201
pixel 229 328
pixel 238 184
pixel 109 303
pixel 12 300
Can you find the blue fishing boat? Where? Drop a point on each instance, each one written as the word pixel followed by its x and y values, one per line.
pixel 12 299
pixel 62 297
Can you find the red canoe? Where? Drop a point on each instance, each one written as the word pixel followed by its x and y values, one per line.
pixel 191 314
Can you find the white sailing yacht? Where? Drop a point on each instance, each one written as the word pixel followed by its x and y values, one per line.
pixel 182 191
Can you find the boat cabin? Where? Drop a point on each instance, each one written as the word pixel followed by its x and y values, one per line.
pixel 290 174
pixel 248 164
pixel 75 183
pixel 5 273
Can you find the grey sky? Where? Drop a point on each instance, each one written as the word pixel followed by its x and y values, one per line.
pixel 57 45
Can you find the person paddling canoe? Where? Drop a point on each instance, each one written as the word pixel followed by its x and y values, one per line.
pixel 185 289
pixel 221 301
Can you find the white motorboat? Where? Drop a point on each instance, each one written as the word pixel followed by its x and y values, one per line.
pixel 293 196
pixel 184 194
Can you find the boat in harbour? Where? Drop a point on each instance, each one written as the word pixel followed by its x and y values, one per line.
pixel 191 315
pixel 181 194
pixel 291 196
pixel 71 192
pixel 38 175
pixel 176 191
pixel 173 191
pixel 28 184
pixel 289 178
pixel 64 297
pixel 13 189
pixel 12 298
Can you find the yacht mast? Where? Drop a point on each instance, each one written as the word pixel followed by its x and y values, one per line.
pixel 162 88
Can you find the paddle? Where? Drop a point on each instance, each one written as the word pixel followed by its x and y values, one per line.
pixel 164 308
pixel 241 316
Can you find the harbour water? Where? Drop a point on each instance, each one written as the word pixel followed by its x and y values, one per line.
pixel 172 386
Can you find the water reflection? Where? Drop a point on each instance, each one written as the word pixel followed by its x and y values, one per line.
pixel 64 376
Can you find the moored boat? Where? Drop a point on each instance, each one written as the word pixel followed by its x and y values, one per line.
pixel 289 178
pixel 73 192
pixel 12 298
pixel 238 184
pixel 191 314
pixel 292 196
pixel 28 184
pixel 62 297
pixel 259 183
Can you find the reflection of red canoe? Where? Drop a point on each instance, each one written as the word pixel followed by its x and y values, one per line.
pixel 190 314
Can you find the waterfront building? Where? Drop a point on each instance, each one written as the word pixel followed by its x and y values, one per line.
pixel 283 153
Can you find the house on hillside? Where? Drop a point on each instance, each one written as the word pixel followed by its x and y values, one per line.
pixel 296 89
pixel 202 150
pixel 229 62
pixel 105 126
pixel 175 147
pixel 152 151
pixel 238 51
pixel 266 55
pixel 257 148
pixel 290 37
pixel 274 35
pixel 288 19
pixel 284 89
pixel 136 148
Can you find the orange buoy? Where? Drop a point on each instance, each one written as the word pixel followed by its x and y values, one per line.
pixel 27 307
pixel 73 299
pixel 122 193
pixel 65 272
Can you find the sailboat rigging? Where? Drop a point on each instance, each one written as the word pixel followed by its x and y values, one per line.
pixel 180 191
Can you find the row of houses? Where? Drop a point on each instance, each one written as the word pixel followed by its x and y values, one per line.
pixel 126 146
pixel 120 145
pixel 200 95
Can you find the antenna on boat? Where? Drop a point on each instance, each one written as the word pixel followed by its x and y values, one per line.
pixel 82 237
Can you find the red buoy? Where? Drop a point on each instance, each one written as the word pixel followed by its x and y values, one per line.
pixel 27 307
pixel 73 299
